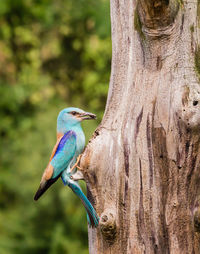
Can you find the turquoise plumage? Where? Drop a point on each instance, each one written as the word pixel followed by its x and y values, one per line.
pixel 70 144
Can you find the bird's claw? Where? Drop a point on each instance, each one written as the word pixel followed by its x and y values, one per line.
pixel 76 164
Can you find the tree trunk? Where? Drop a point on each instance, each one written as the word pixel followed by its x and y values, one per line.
pixel 142 165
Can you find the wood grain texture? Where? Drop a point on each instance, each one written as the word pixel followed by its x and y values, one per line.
pixel 142 164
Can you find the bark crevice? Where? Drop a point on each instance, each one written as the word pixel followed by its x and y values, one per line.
pixel 157 14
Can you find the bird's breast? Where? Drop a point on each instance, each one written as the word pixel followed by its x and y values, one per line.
pixel 80 142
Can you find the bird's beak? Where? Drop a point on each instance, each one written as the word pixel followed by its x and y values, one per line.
pixel 87 116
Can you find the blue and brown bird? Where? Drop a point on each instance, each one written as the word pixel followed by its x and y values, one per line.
pixel 66 155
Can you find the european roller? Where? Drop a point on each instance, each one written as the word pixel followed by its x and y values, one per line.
pixel 66 155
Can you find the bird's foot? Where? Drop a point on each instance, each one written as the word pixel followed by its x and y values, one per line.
pixel 77 176
pixel 76 164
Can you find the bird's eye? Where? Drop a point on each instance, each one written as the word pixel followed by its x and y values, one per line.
pixel 73 113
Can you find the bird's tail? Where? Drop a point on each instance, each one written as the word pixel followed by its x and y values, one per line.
pixel 93 218
pixel 44 186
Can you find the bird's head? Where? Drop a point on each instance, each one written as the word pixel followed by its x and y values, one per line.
pixel 69 117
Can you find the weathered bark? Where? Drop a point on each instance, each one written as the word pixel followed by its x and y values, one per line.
pixel 143 164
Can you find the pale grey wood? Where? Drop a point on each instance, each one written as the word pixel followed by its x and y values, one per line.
pixel 142 164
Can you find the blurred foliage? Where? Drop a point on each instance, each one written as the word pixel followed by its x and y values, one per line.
pixel 53 54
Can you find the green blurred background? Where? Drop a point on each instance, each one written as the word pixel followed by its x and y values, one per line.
pixel 53 54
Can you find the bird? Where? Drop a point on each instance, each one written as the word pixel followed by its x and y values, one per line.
pixel 65 157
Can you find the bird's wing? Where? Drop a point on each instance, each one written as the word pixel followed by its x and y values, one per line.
pixel 55 147
pixel 62 154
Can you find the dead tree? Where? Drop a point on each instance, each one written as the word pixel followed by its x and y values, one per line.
pixel 142 165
